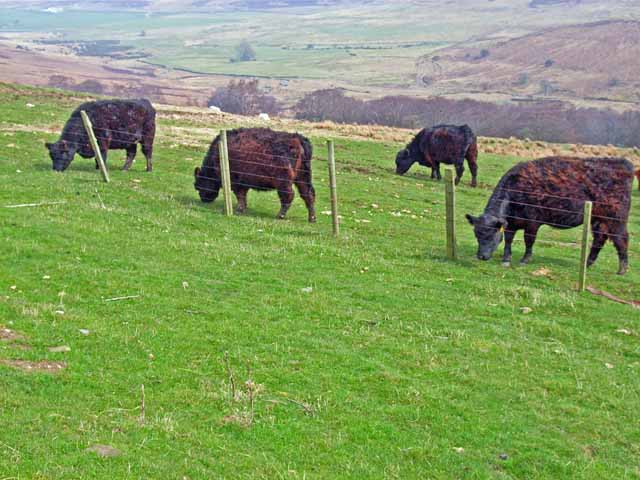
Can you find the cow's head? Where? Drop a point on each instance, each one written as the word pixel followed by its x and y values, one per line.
pixel 404 160
pixel 489 231
pixel 61 153
pixel 206 184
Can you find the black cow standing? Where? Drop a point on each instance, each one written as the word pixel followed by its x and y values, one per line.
pixel 552 191
pixel 449 144
pixel 117 124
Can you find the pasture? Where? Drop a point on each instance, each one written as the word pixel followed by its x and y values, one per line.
pixel 269 349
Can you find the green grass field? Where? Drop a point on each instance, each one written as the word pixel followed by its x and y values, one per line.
pixel 368 356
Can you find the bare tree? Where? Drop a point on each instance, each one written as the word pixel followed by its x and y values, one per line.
pixel 244 97
pixel 244 52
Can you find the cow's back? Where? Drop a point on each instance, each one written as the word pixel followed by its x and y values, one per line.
pixel 447 143
pixel 123 122
pixel 264 159
pixel 554 189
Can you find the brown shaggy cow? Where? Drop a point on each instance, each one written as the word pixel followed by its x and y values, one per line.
pixel 117 124
pixel 449 144
pixel 260 159
pixel 552 191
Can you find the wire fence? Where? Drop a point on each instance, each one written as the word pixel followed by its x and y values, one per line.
pixel 241 177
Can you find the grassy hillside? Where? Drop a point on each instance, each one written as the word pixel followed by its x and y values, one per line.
pixel 580 61
pixel 369 356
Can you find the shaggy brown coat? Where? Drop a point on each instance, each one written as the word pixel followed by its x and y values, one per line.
pixel 260 159
pixel 117 124
pixel 552 191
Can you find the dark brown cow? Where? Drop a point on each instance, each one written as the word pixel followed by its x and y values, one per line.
pixel 449 144
pixel 260 159
pixel 552 191
pixel 117 124
pixel 638 177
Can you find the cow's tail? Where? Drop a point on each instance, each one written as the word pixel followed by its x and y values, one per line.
pixel 308 154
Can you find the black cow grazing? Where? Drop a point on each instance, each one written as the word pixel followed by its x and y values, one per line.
pixel 260 159
pixel 117 124
pixel 448 144
pixel 552 191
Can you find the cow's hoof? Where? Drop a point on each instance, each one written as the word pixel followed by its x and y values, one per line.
pixel 623 269
pixel 312 219
pixel 506 264
pixel 280 217
pixel 524 261
pixel 238 212
pixel 149 169
pixel 474 184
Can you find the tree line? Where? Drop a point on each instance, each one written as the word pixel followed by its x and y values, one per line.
pixel 547 120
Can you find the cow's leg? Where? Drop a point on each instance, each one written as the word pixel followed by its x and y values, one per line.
pixel 147 149
pixel 599 238
pixel 472 161
pixel 508 240
pixel 530 234
pixel 103 147
pixel 436 166
pixel 621 241
pixel 241 196
pixel 131 155
pixel 285 192
pixel 433 173
pixel 308 194
pixel 459 170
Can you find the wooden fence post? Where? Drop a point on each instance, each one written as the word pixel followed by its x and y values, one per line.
pixel 225 173
pixel 586 230
pixel 94 144
pixel 450 200
pixel 333 188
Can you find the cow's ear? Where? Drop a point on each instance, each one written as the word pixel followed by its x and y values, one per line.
pixel 471 218
pixel 196 172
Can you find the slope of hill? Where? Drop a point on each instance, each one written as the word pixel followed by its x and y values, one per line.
pixel 269 349
pixel 581 61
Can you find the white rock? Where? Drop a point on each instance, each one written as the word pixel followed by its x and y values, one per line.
pixel 214 109
pixel 264 116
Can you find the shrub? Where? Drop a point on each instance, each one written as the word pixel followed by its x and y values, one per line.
pixel 548 120
pixel 244 97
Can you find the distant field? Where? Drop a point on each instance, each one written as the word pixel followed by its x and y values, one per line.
pixel 312 43
pixel 368 356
